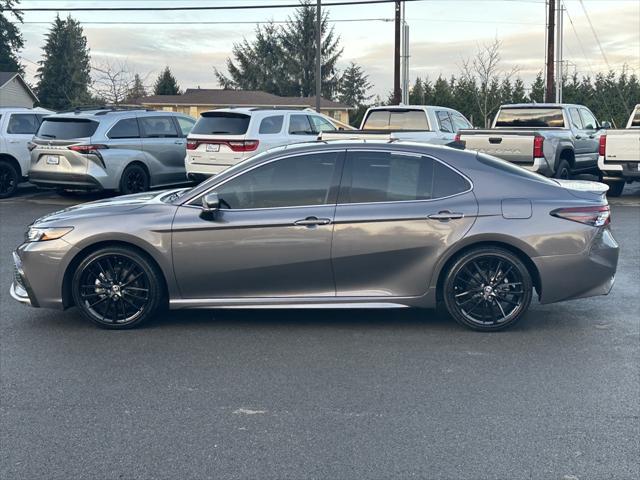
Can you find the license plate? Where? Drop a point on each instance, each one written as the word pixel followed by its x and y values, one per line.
pixel 213 147
pixel 53 160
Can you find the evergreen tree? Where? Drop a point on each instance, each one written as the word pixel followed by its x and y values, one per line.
pixel 11 41
pixel 353 86
pixel 64 72
pixel 518 94
pixel 537 89
pixel 137 90
pixel 417 93
pixel 166 84
pixel 442 95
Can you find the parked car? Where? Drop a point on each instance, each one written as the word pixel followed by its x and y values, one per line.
pixel 17 127
pixel 342 224
pixel 127 151
pixel 417 123
pixel 556 140
pixel 224 137
pixel 619 156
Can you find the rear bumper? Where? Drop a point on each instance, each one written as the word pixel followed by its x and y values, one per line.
pixel 81 181
pixel 539 165
pixel 588 274
pixel 619 170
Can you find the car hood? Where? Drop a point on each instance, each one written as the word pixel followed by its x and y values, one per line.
pixel 106 207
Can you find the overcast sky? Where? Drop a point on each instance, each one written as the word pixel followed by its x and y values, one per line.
pixel 443 33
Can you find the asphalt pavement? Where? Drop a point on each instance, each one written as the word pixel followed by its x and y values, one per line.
pixel 322 394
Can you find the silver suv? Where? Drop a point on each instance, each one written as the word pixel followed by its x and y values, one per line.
pixel 108 149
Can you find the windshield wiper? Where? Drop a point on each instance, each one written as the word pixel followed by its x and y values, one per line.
pixel 46 135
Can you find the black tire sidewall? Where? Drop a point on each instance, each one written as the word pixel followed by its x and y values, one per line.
pixel 615 189
pixel 465 258
pixel 127 171
pixel 563 165
pixel 4 165
pixel 153 276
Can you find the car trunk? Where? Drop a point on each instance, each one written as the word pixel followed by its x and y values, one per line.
pixel 512 145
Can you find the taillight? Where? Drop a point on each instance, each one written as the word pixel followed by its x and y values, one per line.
pixel 538 144
pixel 192 144
pixel 243 145
pixel 86 149
pixel 602 149
pixel 596 216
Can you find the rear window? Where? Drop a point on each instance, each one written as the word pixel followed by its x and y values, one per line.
pixel 222 123
pixel 66 128
pixel 396 120
pixel 512 169
pixel 530 117
pixel 636 119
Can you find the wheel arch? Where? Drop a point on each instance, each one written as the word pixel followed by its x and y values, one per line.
pixel 565 152
pixel 67 296
pixel 139 162
pixel 507 244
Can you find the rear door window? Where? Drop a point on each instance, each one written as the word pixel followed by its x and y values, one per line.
pixel 530 117
pixel 445 121
pixel 319 124
pixel 221 123
pixel 23 124
pixel 271 125
pixel 158 127
pixel 576 121
pixel 589 122
pixel 126 128
pixel 459 122
pixel 299 125
pixel 66 128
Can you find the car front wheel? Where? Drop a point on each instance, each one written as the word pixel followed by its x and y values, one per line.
pixel 117 288
pixel 9 179
pixel 487 289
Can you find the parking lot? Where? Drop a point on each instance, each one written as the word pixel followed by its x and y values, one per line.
pixel 322 394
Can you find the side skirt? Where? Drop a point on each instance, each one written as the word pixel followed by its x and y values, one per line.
pixel 291 302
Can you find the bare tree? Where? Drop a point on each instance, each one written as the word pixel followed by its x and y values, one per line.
pixel 485 69
pixel 113 82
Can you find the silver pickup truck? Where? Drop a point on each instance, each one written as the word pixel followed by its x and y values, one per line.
pixel 619 159
pixel 556 140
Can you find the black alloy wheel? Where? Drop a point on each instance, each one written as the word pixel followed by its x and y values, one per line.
pixel 117 288
pixel 9 179
pixel 488 289
pixel 135 179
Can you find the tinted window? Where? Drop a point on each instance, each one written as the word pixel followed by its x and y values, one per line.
pixel 575 118
pixel 512 169
pixel 185 124
pixel 294 181
pixel 459 122
pixel 588 120
pixel 270 125
pixel 445 122
pixel 222 123
pixel 447 182
pixel 321 125
pixel 299 125
pixel 396 120
pixel 636 119
pixel 20 123
pixel 530 117
pixel 158 127
pixel 127 128
pixel 66 128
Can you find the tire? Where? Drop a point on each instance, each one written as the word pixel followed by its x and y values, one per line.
pixel 117 288
pixel 563 170
pixel 9 179
pixel 615 189
pixel 135 179
pixel 487 289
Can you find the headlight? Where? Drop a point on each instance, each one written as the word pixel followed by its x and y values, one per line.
pixel 41 234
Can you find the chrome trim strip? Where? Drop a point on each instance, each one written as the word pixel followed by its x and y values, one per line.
pixel 291 302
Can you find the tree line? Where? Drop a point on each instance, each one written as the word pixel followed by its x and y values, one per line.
pixel 280 59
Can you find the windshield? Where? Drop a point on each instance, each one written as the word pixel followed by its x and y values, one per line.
pixel 530 117
pixel 221 123
pixel 66 128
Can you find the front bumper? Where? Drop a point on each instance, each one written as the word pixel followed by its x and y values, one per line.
pixel 20 289
pixel 629 171
pixel 588 274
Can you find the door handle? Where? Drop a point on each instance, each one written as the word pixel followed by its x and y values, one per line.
pixel 13 141
pixel 445 215
pixel 179 142
pixel 312 221
pixel 591 136
pixel 578 137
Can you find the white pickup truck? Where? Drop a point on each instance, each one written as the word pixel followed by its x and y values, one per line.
pixel 619 156
pixel 415 123
pixel 17 127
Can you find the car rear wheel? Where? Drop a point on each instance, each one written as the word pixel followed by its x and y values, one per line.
pixel 615 189
pixel 487 289
pixel 563 170
pixel 9 179
pixel 117 288
pixel 135 179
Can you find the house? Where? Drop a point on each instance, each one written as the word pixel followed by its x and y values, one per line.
pixel 197 100
pixel 14 91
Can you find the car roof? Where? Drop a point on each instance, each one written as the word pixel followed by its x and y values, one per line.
pixel 103 113
pixel 25 109
pixel 540 105
pixel 257 110
pixel 410 107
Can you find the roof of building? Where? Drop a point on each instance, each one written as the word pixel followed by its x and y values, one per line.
pixel 231 98
pixel 6 77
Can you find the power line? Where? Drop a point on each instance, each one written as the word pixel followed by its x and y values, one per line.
pixel 204 22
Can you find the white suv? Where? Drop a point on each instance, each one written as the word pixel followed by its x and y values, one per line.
pixel 221 138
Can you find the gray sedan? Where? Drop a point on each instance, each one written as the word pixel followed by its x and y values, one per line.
pixel 345 224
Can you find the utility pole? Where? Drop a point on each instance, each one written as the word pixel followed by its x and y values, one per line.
pixel 318 55
pixel 559 51
pixel 550 96
pixel 397 91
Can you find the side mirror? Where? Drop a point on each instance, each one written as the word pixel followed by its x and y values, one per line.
pixel 210 204
pixel 606 125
